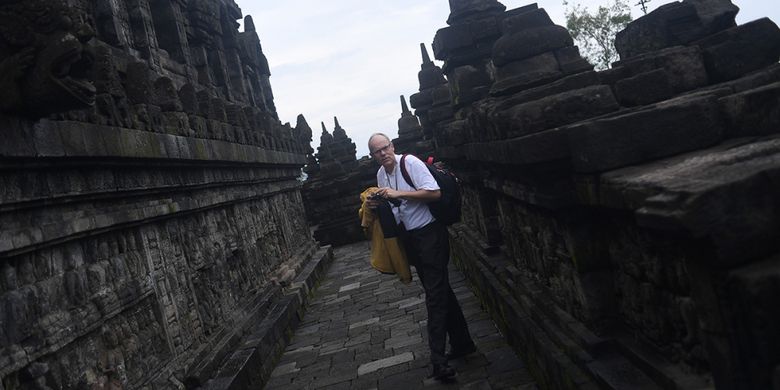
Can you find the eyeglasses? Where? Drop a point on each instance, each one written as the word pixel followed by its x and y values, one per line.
pixel 381 150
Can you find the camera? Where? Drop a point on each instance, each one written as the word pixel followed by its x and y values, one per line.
pixel 394 202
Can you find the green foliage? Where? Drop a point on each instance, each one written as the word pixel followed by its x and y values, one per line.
pixel 595 33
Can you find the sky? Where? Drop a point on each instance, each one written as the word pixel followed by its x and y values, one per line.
pixel 353 58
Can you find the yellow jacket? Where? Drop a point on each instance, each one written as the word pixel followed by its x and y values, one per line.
pixel 387 254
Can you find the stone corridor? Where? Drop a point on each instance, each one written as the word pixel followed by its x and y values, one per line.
pixel 366 330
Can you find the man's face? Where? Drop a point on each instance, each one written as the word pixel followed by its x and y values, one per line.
pixel 382 151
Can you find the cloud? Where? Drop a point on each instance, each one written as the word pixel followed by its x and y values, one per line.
pixel 353 58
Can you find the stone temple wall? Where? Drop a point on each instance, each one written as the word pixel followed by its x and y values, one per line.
pixel 622 226
pixel 332 189
pixel 149 197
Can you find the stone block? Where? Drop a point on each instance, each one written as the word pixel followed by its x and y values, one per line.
pixel 93 141
pixel 530 42
pixel 684 66
pixel 643 135
pixel 753 310
pixel 451 134
pixel 555 111
pixel 148 145
pixel 462 10
pixel 430 77
pixel 569 83
pixel 441 95
pixel 469 83
pixel 421 99
pixel 674 24
pixel 518 75
pixel 376 365
pixel 47 139
pixel 727 193
pixel 545 146
pixel 613 75
pixel 17 137
pixel 570 61
pixel 72 140
pixel 754 80
pixel 450 38
pixel 753 112
pixel 525 20
pixel 740 50
pixel 644 88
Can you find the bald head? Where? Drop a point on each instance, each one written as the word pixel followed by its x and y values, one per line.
pixel 378 136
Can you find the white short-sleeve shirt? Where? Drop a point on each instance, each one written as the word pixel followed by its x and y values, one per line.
pixel 412 213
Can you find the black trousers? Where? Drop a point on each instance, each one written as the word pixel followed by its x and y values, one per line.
pixel 428 250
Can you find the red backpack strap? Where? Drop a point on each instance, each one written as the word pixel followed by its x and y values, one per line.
pixel 405 173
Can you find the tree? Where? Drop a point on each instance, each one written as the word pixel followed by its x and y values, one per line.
pixel 643 4
pixel 595 33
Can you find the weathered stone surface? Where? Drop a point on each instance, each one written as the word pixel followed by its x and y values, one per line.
pixel 554 111
pixel 461 10
pixel 331 192
pixel 684 67
pixel 531 19
pixel 530 42
pixel 644 88
pixel 530 149
pixel 637 136
pixel 469 83
pixel 459 41
pixel 673 24
pixel 583 217
pixel 518 75
pixel 741 50
pixel 571 62
pixel 569 83
pixel 752 290
pixel 753 112
pixel 155 205
pixel 699 193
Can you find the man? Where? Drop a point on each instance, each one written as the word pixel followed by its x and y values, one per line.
pixel 427 247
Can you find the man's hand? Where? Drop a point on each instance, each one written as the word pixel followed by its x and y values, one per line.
pixel 374 200
pixel 389 193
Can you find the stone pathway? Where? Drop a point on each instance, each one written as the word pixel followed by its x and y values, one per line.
pixel 365 330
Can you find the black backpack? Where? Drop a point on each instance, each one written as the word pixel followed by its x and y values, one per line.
pixel 447 209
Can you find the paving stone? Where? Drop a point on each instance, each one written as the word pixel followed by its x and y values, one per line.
pixel 387 362
pixel 373 336
pixel 364 323
pixel 285 369
pixel 349 287
pixel 408 380
pixel 412 303
pixel 402 342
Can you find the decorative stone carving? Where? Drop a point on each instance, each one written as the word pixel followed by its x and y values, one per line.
pixel 45 65
pixel 150 204
pixel 599 205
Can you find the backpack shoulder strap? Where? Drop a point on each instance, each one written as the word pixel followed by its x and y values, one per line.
pixel 405 173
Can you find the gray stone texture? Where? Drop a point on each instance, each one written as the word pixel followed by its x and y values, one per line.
pixel 620 226
pixel 390 351
pixel 149 209
pixel 332 190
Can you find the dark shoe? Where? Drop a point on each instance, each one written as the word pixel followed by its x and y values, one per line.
pixel 442 372
pixel 461 352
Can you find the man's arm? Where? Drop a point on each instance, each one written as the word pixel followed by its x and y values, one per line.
pixel 419 195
